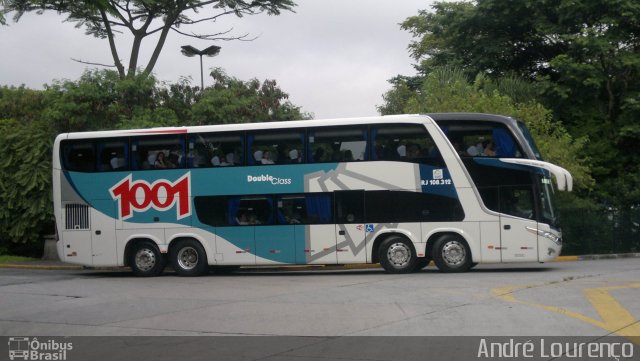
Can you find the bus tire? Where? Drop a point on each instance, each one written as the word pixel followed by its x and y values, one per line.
pixel 146 260
pixel 451 254
pixel 397 255
pixel 188 258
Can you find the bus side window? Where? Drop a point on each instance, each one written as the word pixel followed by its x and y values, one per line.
pixel 349 207
pixel 215 150
pixel 310 208
pixel 78 156
pixel 344 144
pixel 276 147
pixel 113 155
pixel 404 142
pixel 158 152
pixel 252 210
pixel 211 210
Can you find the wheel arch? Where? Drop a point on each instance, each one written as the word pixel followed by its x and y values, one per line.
pixel 386 233
pixel 135 239
pixel 182 236
pixel 434 236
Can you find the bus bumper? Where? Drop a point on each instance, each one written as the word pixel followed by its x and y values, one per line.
pixel 549 244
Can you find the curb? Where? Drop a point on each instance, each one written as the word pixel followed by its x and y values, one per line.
pixel 70 267
pixel 40 266
pixel 591 257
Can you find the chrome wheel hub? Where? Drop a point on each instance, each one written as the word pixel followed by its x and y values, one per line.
pixel 399 254
pixel 454 253
pixel 188 258
pixel 145 259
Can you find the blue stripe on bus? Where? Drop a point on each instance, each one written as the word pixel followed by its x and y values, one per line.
pixel 278 243
pixel 438 181
pixel 496 162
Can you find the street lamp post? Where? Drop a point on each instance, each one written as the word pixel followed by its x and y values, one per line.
pixel 190 51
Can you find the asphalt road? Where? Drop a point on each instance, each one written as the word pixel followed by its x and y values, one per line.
pixel 585 298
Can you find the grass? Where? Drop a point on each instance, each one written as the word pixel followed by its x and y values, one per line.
pixel 10 259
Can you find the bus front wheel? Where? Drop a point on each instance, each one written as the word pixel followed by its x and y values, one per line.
pixel 451 254
pixel 397 255
pixel 146 260
pixel 188 258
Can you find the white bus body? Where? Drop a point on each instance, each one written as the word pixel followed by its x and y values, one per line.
pixel 364 190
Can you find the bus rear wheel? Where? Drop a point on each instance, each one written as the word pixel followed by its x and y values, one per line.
pixel 451 254
pixel 146 260
pixel 397 255
pixel 188 258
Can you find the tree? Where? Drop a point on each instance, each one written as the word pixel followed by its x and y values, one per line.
pixel 25 168
pixel 231 100
pixel 141 19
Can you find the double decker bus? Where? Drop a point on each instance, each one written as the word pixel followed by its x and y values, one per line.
pixel 391 190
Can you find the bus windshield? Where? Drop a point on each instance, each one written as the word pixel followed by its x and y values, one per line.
pixel 529 139
pixel 547 197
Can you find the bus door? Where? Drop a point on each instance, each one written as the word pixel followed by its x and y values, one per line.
pixel 310 215
pixel 517 217
pixel 320 244
pixel 350 227
pixel 103 234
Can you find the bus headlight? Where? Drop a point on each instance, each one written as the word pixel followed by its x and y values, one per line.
pixel 554 238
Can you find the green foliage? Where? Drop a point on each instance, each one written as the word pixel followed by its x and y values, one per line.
pixel 98 100
pixel 232 100
pixel 12 259
pixel 25 186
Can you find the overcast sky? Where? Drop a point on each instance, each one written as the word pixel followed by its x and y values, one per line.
pixel 333 57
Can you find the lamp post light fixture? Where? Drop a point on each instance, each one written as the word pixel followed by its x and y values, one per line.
pixel 190 51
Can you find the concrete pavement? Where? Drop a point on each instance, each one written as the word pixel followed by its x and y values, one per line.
pixel 59 265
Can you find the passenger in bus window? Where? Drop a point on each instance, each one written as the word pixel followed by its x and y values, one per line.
pixel 117 161
pixel 489 149
pixel 318 156
pixel 215 161
pixel 414 151
pixel 160 162
pixel 241 219
pixel 229 159
pixel 173 160
pixel 402 151
pixel 257 155
pixel 294 156
pixel 473 151
pixel 253 219
pixel 266 157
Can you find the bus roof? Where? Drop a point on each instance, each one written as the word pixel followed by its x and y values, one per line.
pixel 405 118
pixel 480 117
